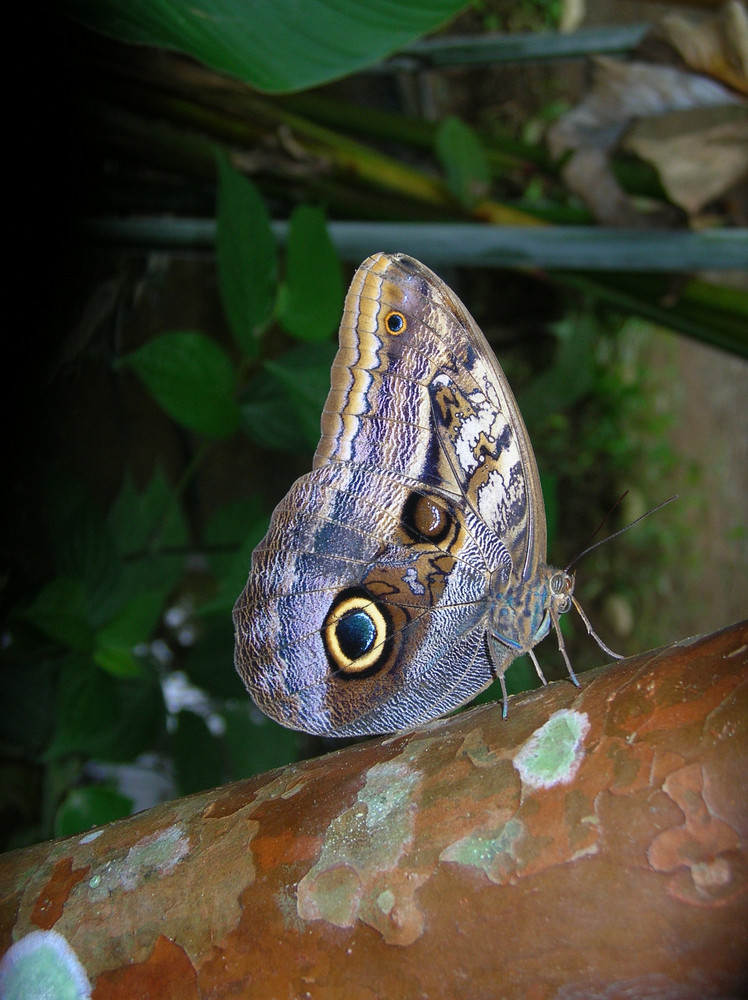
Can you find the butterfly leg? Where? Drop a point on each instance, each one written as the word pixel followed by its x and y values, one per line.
pixel 504 697
pixel 562 647
pixel 538 671
pixel 498 672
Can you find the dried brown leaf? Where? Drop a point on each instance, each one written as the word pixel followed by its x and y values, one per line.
pixel 698 153
pixel 717 47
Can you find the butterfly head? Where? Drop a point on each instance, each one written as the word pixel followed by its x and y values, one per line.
pixel 523 614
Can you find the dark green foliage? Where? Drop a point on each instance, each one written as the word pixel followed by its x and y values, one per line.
pixel 82 675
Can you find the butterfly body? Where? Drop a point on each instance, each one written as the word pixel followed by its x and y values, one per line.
pixel 407 570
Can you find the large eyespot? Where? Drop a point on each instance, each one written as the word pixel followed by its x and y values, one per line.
pixel 424 520
pixel 395 322
pixel 356 634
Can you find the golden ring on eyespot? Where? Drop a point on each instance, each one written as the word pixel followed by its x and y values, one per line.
pixel 395 322
pixel 342 611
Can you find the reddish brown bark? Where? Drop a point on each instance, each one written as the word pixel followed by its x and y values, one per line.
pixel 594 844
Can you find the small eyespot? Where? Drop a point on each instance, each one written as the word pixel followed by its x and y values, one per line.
pixel 395 322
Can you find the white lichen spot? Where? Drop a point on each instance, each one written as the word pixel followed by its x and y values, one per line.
pixel 710 875
pixel 554 752
pixel 156 853
pixel 90 837
pixel 40 966
pixel 386 900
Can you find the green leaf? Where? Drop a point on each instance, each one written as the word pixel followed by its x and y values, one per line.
pixel 79 534
pixel 136 518
pixel 245 256
pixel 549 484
pixel 311 299
pixel 570 377
pixel 256 744
pixel 27 688
pixel 105 717
pixel 60 611
pixel 268 415
pixel 192 378
pixel 142 525
pixel 279 46
pixel 209 664
pixel 93 805
pixel 304 372
pixel 282 405
pixel 464 160
pixel 132 625
pixel 196 755
pixel 237 528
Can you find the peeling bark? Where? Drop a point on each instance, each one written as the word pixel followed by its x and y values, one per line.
pixel 594 844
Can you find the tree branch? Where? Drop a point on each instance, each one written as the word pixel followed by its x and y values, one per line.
pixel 593 844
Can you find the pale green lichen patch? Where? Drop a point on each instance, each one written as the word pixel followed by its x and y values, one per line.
pixel 386 900
pixel 494 850
pixel 475 749
pixel 156 853
pixel 356 876
pixel 42 966
pixel 554 752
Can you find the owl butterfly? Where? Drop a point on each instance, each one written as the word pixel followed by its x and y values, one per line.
pixel 407 570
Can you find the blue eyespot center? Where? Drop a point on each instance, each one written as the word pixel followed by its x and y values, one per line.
pixel 356 633
pixel 395 322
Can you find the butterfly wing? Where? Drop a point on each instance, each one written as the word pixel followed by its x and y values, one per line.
pixel 367 604
pixel 431 403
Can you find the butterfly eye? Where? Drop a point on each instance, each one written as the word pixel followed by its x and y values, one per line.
pixel 561 584
pixel 395 322
pixel 355 634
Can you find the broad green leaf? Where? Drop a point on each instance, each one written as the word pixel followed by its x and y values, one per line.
pixel 256 743
pixel 27 687
pixel 279 46
pixel 464 160
pixel 234 577
pixel 304 372
pixel 311 300
pixel 192 378
pixel 196 754
pixel 245 256
pixel 570 377
pixel 136 518
pixel 268 415
pixel 149 533
pixel 60 611
pixel 92 805
pixel 132 625
pixel 549 484
pixel 229 539
pixel 105 717
pixel 80 537
pixel 209 664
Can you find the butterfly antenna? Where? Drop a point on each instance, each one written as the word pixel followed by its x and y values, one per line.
pixel 609 538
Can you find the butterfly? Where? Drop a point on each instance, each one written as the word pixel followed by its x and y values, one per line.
pixel 407 570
